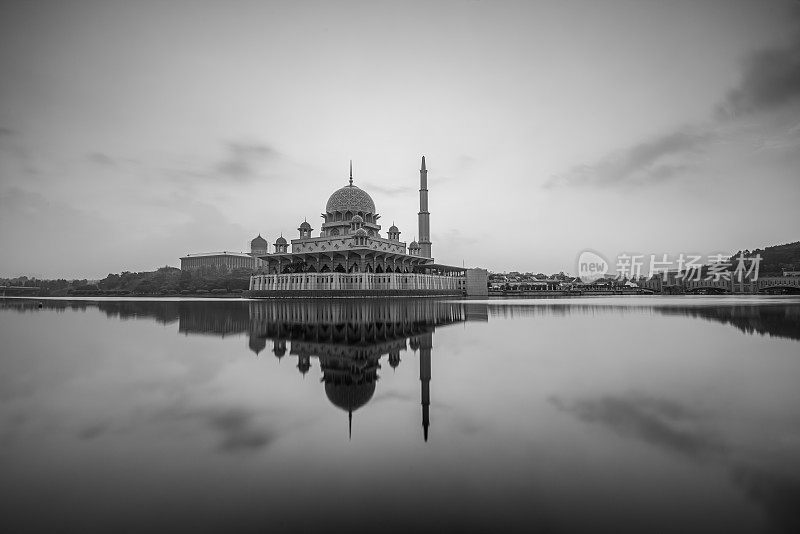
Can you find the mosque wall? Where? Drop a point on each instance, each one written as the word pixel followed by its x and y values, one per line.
pixel 323 244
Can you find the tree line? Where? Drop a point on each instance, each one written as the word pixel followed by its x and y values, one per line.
pixel 165 281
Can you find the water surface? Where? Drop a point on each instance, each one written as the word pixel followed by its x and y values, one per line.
pixel 573 415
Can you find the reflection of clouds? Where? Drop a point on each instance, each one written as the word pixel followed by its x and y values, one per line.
pixel 676 428
pixel 661 422
pixel 393 396
pixel 11 426
pixel 94 430
pixel 237 428
pixel 238 431
pixel 778 493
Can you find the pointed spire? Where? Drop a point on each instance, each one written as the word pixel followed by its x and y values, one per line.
pixel 351 172
pixel 423 164
pixel 350 425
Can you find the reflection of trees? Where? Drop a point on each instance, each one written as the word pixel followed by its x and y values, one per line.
pixel 774 319
pixel 164 312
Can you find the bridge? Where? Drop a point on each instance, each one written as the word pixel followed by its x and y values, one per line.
pixel 779 284
pixel 671 284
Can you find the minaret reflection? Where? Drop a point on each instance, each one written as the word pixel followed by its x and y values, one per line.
pixel 278 348
pixel 349 337
pixel 425 346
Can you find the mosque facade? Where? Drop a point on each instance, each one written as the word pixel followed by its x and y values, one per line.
pixel 349 255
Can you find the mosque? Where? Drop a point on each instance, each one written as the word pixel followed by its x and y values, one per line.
pixel 350 257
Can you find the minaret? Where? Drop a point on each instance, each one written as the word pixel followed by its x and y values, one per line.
pixel 424 214
pixel 425 346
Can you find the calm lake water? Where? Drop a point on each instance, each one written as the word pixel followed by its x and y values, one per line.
pixel 644 414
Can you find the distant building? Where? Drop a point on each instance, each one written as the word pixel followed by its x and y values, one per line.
pixel 228 260
pixel 219 260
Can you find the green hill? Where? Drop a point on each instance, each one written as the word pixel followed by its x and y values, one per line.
pixel 777 258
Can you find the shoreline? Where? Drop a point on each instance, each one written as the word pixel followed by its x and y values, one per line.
pixel 487 298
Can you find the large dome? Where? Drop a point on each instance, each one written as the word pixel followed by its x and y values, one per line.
pixel 349 397
pixel 350 198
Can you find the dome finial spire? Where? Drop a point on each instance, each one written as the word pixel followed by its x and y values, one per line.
pixel 351 172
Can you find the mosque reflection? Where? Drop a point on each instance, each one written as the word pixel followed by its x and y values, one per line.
pixel 347 337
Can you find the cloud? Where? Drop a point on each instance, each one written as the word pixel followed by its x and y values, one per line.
pixel 101 159
pixel 389 190
pixel 651 161
pixel 94 431
pixel 465 162
pixel 455 237
pixel 243 159
pixel 770 79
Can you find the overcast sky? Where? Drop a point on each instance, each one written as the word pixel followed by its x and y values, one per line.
pixel 132 133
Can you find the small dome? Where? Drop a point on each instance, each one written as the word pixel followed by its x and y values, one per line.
pixel 305 226
pixel 357 219
pixel 361 232
pixel 258 242
pixel 393 229
pixel 413 244
pixel 280 241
